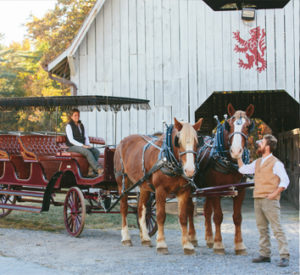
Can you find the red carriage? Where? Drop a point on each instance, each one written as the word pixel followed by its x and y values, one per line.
pixel 35 167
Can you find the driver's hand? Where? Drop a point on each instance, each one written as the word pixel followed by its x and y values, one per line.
pixel 86 146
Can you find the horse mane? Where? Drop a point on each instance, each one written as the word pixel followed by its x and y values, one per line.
pixel 187 134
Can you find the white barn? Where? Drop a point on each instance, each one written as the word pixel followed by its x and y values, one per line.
pixel 176 53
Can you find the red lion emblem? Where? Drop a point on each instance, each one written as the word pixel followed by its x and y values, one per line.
pixel 254 48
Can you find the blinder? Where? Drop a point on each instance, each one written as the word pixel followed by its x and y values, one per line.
pixel 176 141
pixel 251 126
pixel 227 126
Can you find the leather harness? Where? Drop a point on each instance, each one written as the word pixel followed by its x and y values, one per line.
pixel 218 156
pixel 166 162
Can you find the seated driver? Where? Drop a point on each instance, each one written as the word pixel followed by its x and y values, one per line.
pixel 78 142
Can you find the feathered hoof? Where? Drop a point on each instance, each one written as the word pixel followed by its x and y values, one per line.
pixel 194 243
pixel 188 251
pixel 127 243
pixel 162 250
pixel 210 245
pixel 241 252
pixel 146 243
pixel 219 251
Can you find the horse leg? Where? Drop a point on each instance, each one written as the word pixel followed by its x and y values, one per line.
pixel 142 208
pixel 160 197
pixel 192 231
pixel 126 240
pixel 240 248
pixel 208 228
pixel 183 205
pixel 218 218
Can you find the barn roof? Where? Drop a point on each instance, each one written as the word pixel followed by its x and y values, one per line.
pixel 63 64
pixel 221 5
pixel 276 108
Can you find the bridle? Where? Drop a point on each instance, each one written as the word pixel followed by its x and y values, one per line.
pixel 239 122
pixel 234 133
pixel 187 152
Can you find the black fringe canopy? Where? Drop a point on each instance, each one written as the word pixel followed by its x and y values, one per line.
pixel 66 103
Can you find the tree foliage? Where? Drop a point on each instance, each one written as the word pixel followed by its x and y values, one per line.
pixel 21 72
pixel 58 27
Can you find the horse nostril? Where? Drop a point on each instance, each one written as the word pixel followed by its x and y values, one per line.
pixel 240 151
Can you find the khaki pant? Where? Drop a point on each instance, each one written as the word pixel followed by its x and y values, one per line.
pixel 268 211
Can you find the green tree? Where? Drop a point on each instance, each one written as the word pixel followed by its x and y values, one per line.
pixel 59 26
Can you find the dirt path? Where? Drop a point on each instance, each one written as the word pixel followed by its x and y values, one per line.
pixel 100 251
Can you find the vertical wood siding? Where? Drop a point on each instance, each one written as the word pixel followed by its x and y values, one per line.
pixel 176 53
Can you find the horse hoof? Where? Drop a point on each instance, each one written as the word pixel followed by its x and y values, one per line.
pixel 127 243
pixel 210 245
pixel 241 252
pixel 188 251
pixel 162 250
pixel 219 251
pixel 147 243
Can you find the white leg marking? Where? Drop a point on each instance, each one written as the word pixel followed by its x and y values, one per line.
pixel 143 226
pixel 161 244
pixel 218 245
pixel 240 246
pixel 125 233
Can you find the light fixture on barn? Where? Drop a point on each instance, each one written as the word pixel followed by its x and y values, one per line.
pixel 248 14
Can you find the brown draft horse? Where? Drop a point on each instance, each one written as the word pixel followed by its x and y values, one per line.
pixel 135 156
pixel 235 133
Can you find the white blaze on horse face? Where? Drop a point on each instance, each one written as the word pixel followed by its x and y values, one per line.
pixel 236 149
pixel 189 166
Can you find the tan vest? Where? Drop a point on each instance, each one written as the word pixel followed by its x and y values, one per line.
pixel 265 180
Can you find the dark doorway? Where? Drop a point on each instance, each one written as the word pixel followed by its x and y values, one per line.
pixel 276 108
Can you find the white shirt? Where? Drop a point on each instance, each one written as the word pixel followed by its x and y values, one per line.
pixel 278 170
pixel 69 133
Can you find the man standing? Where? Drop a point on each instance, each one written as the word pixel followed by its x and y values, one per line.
pixel 78 142
pixel 270 179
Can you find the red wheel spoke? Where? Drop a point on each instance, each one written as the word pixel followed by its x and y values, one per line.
pixel 74 211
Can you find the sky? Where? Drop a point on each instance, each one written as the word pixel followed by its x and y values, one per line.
pixel 15 13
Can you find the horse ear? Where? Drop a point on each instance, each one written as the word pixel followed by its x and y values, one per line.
pixel 250 110
pixel 176 141
pixel 227 126
pixel 251 126
pixel 178 125
pixel 198 124
pixel 230 109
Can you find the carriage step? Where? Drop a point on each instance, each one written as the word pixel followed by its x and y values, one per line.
pixel 22 193
pixel 33 209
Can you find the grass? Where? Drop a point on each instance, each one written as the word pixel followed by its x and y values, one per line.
pixel 53 220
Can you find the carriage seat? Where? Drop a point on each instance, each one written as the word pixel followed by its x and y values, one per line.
pixel 9 146
pixel 43 150
pixel 81 160
pixel 10 151
pixel 38 148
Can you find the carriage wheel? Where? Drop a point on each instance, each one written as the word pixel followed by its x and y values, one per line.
pixel 151 222
pixel 74 211
pixel 6 199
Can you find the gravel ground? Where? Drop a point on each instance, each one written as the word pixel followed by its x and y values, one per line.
pixel 100 251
